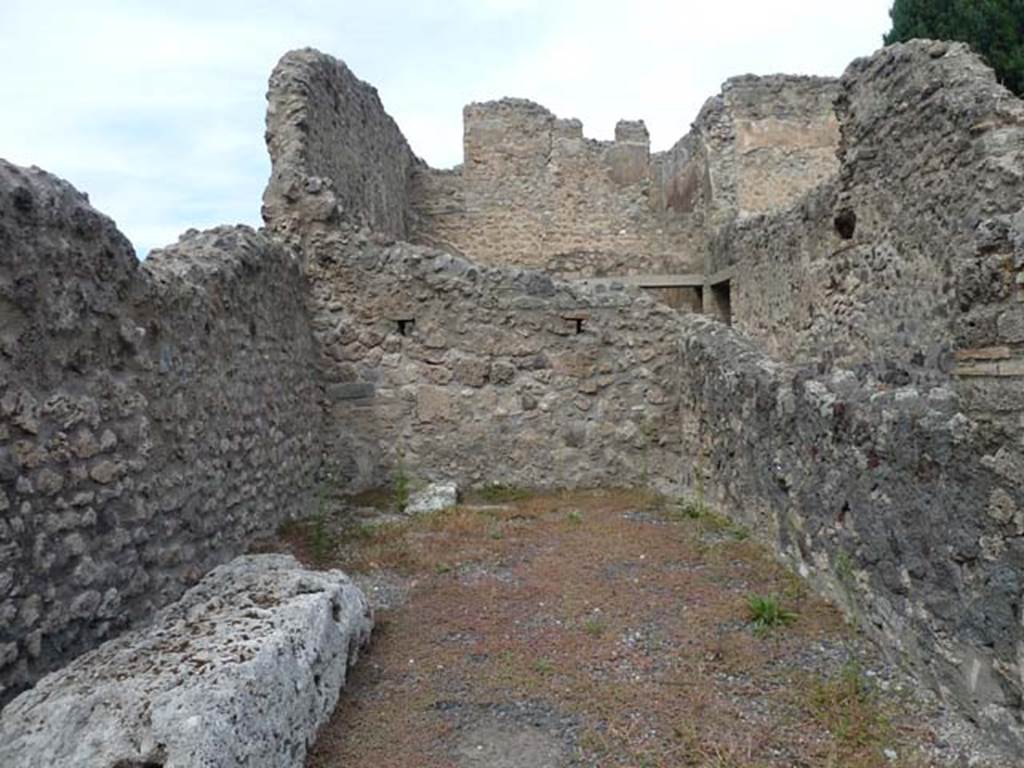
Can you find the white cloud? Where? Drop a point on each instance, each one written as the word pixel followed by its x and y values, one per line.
pixel 157 109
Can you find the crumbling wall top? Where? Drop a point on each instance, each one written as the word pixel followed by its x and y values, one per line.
pixel 335 153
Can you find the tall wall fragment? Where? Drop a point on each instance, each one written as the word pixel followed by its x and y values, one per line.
pixel 335 154
pixel 153 417
pixel 533 191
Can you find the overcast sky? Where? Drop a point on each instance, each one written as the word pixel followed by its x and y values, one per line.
pixel 156 109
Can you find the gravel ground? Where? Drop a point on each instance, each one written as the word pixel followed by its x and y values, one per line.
pixel 602 629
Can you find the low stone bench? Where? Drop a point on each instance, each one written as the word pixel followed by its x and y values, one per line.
pixel 243 670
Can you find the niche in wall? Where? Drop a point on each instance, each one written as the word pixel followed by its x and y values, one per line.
pixel 721 302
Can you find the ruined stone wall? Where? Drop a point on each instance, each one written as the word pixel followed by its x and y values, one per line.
pixel 490 375
pixel 892 476
pixel 891 499
pixel 153 417
pixel 336 155
pixel 911 263
pixel 532 191
pixel 784 134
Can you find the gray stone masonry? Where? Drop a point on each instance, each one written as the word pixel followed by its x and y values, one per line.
pixel 242 670
pixel 153 417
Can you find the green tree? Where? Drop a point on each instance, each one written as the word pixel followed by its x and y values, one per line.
pixel 994 28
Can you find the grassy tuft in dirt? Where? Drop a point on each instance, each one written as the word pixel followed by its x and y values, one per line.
pixel 767 613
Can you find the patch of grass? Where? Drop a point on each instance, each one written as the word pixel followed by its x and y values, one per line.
pixel 595 626
pixel 842 567
pixel 794 589
pixel 543 666
pixel 695 508
pixel 848 706
pixel 289 528
pixel 400 483
pixel 767 613
pixel 714 523
pixel 592 742
pixel 574 516
pixel 362 532
pixel 376 498
pixel 498 493
pixel 320 541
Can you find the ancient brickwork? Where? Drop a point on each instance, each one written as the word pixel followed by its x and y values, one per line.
pixel 335 153
pixel 153 416
pixel 487 375
pixel 890 499
pixel 784 135
pixel 534 192
pixel 911 262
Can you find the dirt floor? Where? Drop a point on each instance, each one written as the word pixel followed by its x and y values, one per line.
pixel 603 628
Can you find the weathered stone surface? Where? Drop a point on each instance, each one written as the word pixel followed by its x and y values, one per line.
pixel 883 497
pixel 243 670
pixel 481 388
pixel 928 169
pixel 433 498
pixel 316 106
pixel 154 416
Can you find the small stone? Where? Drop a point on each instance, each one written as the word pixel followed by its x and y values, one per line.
pixel 503 372
pixel 75 544
pixel 108 440
pixel 1001 506
pixel 434 498
pixel 30 611
pixel 49 482
pixel 471 371
pixel 105 472
pixel 84 444
pixel 8 654
pixel 34 643
pixel 84 605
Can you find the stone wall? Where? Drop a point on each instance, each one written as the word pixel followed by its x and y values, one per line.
pixel 153 417
pixel 887 463
pixel 489 375
pixel 532 191
pixel 335 154
pixel 890 499
pixel 911 262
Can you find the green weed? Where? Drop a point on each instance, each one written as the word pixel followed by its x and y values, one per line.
pixel 767 613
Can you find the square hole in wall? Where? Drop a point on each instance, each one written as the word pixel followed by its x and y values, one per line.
pixel 405 325
pixel 577 323
pixel 721 301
